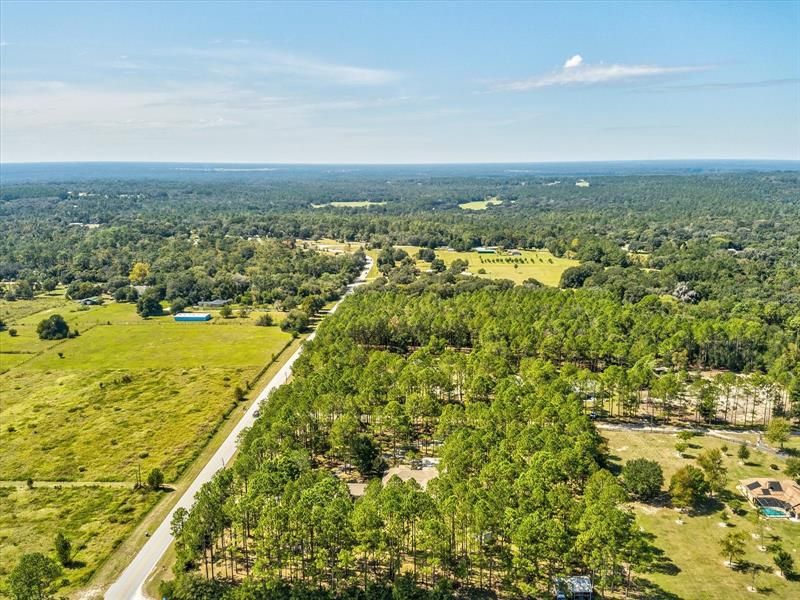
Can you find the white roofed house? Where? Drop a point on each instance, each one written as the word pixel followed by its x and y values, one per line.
pixel 577 587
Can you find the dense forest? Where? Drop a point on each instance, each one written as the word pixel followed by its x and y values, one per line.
pixel 704 237
pixel 521 494
pixel 685 301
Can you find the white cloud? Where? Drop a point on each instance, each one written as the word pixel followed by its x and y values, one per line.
pixel 251 59
pixel 575 73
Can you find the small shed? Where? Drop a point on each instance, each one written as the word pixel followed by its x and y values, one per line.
pixel 192 317
pixel 91 301
pixel 218 303
pixel 577 587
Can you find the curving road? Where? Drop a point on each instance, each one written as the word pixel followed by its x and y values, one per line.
pixel 129 585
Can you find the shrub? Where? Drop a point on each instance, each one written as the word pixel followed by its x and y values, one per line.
pixel 53 327
pixel 264 320
pixel 295 322
pixel 155 479
pixel 643 478
pixel 63 549
pixel 743 452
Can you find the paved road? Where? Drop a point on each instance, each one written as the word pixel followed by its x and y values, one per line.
pixel 130 584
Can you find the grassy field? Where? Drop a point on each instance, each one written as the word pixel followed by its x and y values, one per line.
pixel 539 264
pixel 130 393
pixel 481 204
pixel 695 568
pixel 95 520
pixel 12 312
pixel 126 395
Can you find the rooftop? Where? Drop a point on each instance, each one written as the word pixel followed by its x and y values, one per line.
pixel 784 490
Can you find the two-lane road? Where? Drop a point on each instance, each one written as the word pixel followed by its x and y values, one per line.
pixel 130 584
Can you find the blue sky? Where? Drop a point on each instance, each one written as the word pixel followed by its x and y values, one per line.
pixel 387 83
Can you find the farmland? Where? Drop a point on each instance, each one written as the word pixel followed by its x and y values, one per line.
pixel 126 396
pixel 696 568
pixel 126 392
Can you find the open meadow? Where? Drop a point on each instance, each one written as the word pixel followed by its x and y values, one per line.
pixel 692 565
pixel 124 397
pixel 480 204
pixel 95 519
pixel 537 264
pixel 541 265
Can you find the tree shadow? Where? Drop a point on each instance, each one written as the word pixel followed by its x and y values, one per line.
pixel 476 593
pixel 614 464
pixel 707 507
pixel 75 564
pixel 652 591
pixel 657 559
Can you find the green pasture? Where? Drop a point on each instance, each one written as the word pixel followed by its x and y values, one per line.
pixel 123 397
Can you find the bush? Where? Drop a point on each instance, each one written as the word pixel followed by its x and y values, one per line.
pixel 63 549
pixel 12 332
pixel 149 305
pixel 296 322
pixel 643 478
pixel 155 479
pixel 264 320
pixel 743 452
pixel 53 327
pixel 78 290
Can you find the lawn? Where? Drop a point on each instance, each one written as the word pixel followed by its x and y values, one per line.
pixel 94 519
pixel 695 568
pixel 481 204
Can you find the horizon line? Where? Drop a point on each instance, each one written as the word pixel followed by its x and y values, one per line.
pixel 391 164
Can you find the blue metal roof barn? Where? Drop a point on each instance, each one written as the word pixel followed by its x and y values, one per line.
pixel 192 317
